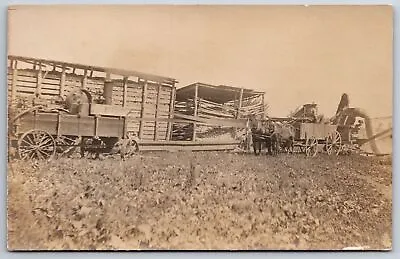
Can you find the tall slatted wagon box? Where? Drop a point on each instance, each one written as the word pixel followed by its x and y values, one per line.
pixel 150 105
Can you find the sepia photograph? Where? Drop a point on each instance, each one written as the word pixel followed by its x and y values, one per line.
pixel 199 127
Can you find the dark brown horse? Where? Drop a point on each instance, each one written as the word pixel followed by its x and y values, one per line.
pixel 264 135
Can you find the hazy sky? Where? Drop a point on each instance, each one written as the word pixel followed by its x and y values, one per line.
pixel 296 54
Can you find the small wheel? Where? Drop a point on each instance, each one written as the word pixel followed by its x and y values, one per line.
pixel 129 147
pixel 336 143
pixel 36 144
pixel 311 147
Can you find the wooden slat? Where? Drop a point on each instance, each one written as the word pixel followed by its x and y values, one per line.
pixel 62 81
pixel 27 73
pixel 240 103
pixel 196 92
pixel 39 82
pixel 144 97
pixel 27 79
pixel 51 86
pixel 171 110
pixel 32 91
pixel 14 85
pixel 31 96
pixel 84 79
pixel 156 112
pixel 27 84
pixel 125 93
pixel 51 81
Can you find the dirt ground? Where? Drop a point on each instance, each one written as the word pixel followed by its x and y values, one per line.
pixel 203 200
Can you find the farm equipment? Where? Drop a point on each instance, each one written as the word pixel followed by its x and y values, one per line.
pixel 339 135
pixel 43 132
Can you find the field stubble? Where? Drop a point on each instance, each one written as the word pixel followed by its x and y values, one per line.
pixel 204 200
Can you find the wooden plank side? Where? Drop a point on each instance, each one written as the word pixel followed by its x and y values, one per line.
pixel 51 87
pixel 319 131
pixel 31 96
pixel 31 79
pixel 27 72
pixel 23 84
pixel 33 90
pixel 51 81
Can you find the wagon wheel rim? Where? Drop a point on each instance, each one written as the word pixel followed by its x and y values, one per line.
pixel 130 148
pixel 308 147
pixel 337 143
pixel 36 144
pixel 314 147
pixel 311 147
pixel 329 145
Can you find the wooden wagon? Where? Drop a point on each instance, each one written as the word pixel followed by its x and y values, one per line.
pixel 38 81
pixel 42 133
pixel 311 135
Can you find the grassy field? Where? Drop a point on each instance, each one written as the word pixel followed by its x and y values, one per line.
pixel 204 200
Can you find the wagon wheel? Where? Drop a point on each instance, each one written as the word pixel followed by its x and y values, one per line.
pixel 329 144
pixel 336 143
pixel 67 144
pixel 36 144
pixel 129 147
pixel 311 147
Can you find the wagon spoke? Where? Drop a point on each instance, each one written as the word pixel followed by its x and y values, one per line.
pixel 38 154
pixel 45 153
pixel 29 140
pixel 26 151
pixel 41 137
pixel 28 147
pixel 27 143
pixel 46 142
pixel 35 137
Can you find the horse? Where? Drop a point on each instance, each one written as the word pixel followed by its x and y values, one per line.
pixel 286 137
pixel 273 139
pixel 257 138
pixel 264 134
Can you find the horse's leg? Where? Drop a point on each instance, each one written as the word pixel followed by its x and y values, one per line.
pixel 256 147
pixel 269 146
